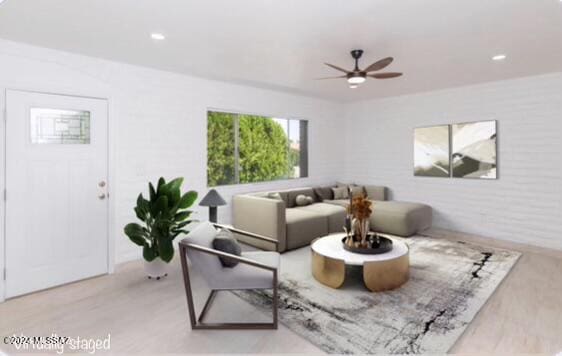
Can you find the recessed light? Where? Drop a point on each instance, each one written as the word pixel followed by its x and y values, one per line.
pixel 157 36
pixel 501 57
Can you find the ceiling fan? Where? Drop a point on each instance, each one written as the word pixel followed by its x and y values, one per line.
pixel 358 76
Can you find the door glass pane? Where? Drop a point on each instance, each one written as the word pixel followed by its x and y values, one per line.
pixel 55 126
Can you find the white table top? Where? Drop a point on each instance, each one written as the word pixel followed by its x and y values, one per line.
pixel 332 247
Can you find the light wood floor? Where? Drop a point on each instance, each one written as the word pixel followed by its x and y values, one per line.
pixel 523 316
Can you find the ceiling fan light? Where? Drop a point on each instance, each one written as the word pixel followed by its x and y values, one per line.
pixel 357 79
pixel 353 86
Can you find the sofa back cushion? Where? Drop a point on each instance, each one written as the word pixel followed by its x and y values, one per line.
pixel 375 192
pixel 292 195
pixel 340 193
pixel 323 193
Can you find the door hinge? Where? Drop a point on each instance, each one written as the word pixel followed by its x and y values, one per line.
pixel 5 194
pixel 4 273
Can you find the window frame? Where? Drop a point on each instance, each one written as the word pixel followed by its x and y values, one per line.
pixel 304 152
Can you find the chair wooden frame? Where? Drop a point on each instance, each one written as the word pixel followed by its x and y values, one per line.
pixel 197 322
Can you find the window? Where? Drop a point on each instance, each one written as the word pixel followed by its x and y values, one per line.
pixel 245 148
pixel 54 126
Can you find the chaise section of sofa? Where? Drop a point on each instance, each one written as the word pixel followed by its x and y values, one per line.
pixel 400 218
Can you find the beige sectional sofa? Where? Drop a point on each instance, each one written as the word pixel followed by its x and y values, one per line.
pixel 278 216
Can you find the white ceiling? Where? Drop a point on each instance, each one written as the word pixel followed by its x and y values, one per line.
pixel 282 44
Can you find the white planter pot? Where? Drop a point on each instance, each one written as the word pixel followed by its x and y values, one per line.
pixel 156 268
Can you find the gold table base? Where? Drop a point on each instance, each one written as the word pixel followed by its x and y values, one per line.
pixel 378 276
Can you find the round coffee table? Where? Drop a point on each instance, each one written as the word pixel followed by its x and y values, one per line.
pixel 381 272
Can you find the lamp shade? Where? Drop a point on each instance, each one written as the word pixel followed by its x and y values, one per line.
pixel 212 198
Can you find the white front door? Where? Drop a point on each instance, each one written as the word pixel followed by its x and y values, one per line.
pixel 56 185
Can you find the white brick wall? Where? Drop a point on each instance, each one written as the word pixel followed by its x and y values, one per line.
pixel 523 205
pixel 159 128
pixel 158 123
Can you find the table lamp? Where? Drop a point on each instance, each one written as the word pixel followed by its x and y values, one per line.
pixel 212 200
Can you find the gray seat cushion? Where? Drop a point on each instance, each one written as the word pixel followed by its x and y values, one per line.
pixel 340 202
pixel 304 226
pixel 334 213
pixel 400 218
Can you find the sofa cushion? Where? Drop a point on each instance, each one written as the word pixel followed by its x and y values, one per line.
pixel 303 200
pixel 334 213
pixel 375 192
pixel 357 191
pixel 323 193
pixel 292 195
pixel 225 242
pixel 400 218
pixel 304 226
pixel 340 193
pixel 340 202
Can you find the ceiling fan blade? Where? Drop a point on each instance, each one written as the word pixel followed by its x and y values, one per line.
pixel 378 65
pixel 337 68
pixel 341 76
pixel 385 75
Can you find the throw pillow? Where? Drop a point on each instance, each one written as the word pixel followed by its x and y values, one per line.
pixel 357 190
pixel 225 242
pixel 324 193
pixel 340 193
pixel 303 200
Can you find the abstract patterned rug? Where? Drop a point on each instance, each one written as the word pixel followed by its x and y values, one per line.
pixel 449 282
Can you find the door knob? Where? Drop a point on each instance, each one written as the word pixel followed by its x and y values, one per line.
pixel 101 184
pixel 101 196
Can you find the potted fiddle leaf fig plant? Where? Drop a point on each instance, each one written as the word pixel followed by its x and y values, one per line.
pixel 164 216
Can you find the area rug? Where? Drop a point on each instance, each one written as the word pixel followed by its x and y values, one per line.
pixel 449 282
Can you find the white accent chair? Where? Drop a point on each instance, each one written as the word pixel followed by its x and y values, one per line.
pixel 255 270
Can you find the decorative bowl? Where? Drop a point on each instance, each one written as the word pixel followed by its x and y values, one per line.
pixel 379 245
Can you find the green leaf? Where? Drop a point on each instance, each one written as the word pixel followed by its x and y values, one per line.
pixel 182 216
pixel 143 205
pixel 136 233
pixel 174 197
pixel 187 199
pixel 166 249
pixel 161 183
pixel 177 232
pixel 175 184
pixel 149 253
pixel 140 214
pixel 183 223
pixel 152 192
pixel 160 206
